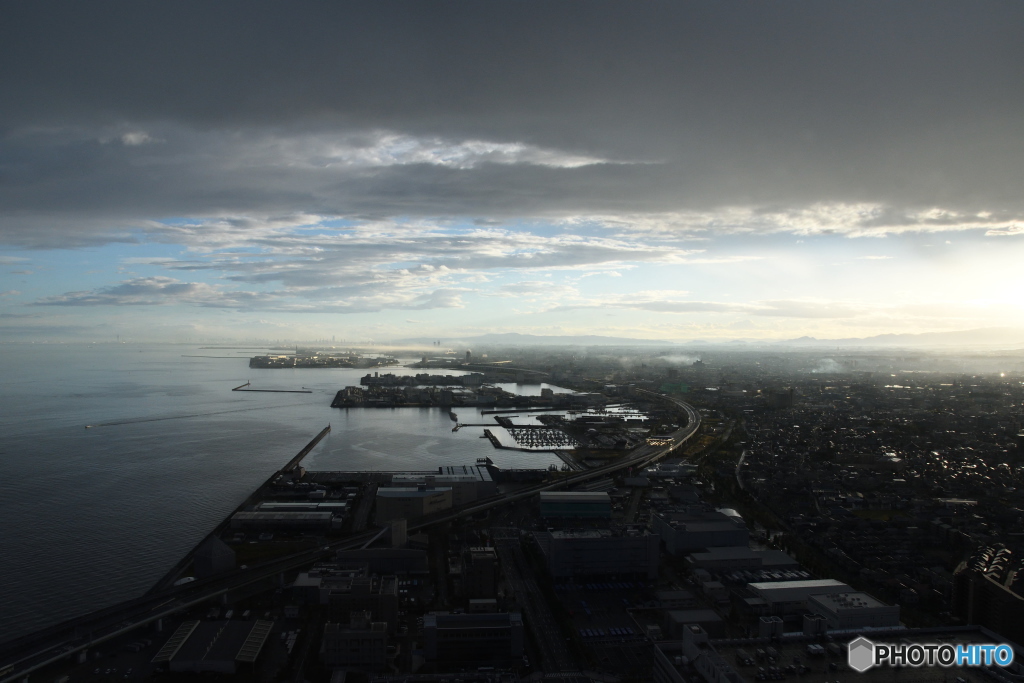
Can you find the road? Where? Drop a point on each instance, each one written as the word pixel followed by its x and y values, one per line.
pixel 555 657
pixel 21 656
pixel 634 505
pixel 739 470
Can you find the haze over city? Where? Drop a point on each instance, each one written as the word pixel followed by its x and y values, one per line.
pixel 670 171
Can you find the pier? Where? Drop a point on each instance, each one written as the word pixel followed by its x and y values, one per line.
pixel 304 390
pixel 541 438
pixel 528 438
pixel 460 425
pixel 493 439
pixel 533 439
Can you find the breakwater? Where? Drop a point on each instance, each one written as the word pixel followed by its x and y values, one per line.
pixel 241 387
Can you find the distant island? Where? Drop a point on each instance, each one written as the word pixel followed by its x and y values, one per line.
pixel 320 360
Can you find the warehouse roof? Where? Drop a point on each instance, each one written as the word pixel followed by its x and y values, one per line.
pixel 795 591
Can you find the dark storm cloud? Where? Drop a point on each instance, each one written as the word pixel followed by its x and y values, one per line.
pixel 118 112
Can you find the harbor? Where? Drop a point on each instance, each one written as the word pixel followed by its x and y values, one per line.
pixel 189 486
pixel 251 573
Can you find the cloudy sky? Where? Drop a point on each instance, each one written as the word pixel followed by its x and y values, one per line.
pixel 698 170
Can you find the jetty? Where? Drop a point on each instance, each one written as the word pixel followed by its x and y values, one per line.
pixel 303 390
pixel 294 462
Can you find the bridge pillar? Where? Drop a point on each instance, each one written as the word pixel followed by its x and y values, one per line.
pixel 82 656
pixel 158 625
pixel 223 598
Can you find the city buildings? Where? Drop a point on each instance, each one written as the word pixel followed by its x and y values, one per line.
pixel 361 643
pixel 290 521
pixel 791 597
pixel 694 528
pixel 480 573
pixel 400 502
pixel 575 505
pixel 859 482
pixel 989 591
pixel 731 558
pixel 219 646
pixel 853 610
pixel 599 552
pixel 386 560
pixel 478 638
pixel 467 482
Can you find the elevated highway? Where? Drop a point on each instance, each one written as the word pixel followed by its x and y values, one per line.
pixel 21 656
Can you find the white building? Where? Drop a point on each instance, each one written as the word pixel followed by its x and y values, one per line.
pixel 853 610
pixel 790 597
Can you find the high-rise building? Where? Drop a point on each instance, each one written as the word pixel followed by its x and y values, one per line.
pixel 480 573
pixel 988 590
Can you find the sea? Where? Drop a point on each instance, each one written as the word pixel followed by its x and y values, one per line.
pixel 93 516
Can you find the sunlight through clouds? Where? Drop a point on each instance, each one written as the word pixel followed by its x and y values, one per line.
pixel 850 220
pixel 490 169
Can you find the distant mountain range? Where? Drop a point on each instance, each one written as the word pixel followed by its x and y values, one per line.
pixel 516 339
pixel 1004 337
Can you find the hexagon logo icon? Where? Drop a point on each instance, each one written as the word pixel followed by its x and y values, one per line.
pixel 861 654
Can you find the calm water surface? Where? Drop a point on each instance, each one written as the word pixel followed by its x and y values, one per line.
pixel 89 517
